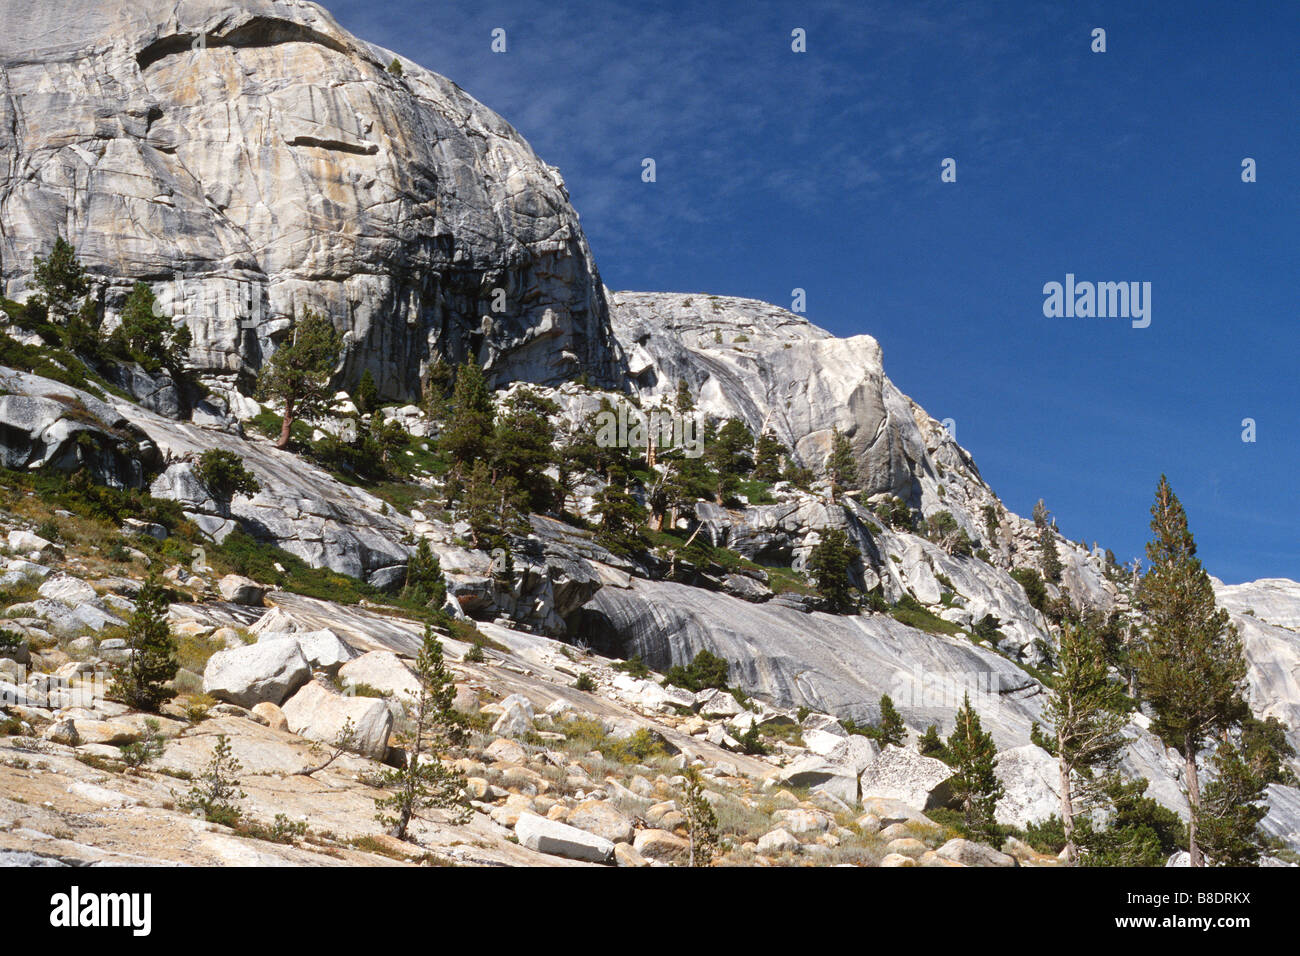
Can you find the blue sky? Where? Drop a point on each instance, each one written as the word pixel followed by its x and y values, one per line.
pixel 821 170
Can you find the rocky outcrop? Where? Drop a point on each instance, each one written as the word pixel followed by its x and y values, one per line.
pixel 46 424
pixel 250 159
pixel 830 663
pixel 301 508
pixel 1267 616
pixel 775 370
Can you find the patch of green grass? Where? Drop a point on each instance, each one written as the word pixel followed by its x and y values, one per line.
pixel 756 492
pixel 912 613
pixel 53 362
pixel 582 735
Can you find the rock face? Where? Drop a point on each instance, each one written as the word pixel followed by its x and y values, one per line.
pixel 299 507
pixel 250 159
pixel 47 424
pixel 1267 615
pixel 768 366
pixel 830 663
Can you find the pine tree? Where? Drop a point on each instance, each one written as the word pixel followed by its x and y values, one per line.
pixel 424 581
pixel 975 784
pixel 141 681
pixel 892 730
pixel 829 564
pixel 386 438
pixel 523 448
pixel 621 515
pixel 991 524
pixel 1041 514
pixel 701 821
pixel 1086 714
pixel 1051 558
pixel 423 781
pixel 1231 808
pixel 299 372
pixel 1267 749
pixel 149 338
pixel 436 389
pixel 931 745
pixel 1191 668
pixel 479 506
pixel 767 458
pixel 727 453
pixel 467 437
pixel 841 465
pixel 684 403
pixel 60 280
pixel 224 475
pixel 216 792
pixel 366 397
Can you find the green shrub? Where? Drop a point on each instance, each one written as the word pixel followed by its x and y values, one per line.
pixel 751 741
pixel 216 792
pixel 145 750
pixel 705 671
pixel 633 666
pixel 911 612
pixel 224 475
pixel 1035 589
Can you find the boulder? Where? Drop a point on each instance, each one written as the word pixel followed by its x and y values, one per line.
pixel 241 590
pixel 777 841
pixel 906 846
pixel 602 819
pixel 323 649
pixel 26 543
pixel 134 526
pixel 384 671
pixel 270 715
pixel 1030 779
pixel 68 589
pixel 661 845
pixel 626 855
pixel 62 732
pixel 516 717
pixel 255 673
pixel 717 704
pixel 969 853
pixel 836 773
pixel 904 775
pixel 801 821
pixel 504 750
pixel 317 713
pixel 560 839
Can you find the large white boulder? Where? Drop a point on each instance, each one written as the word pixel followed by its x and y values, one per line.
pixel 317 713
pixel 901 774
pixel 384 671
pixel 256 673
pixel 71 591
pixel 557 839
pixel 837 771
pixel 241 590
pixel 1030 782
pixel 323 649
